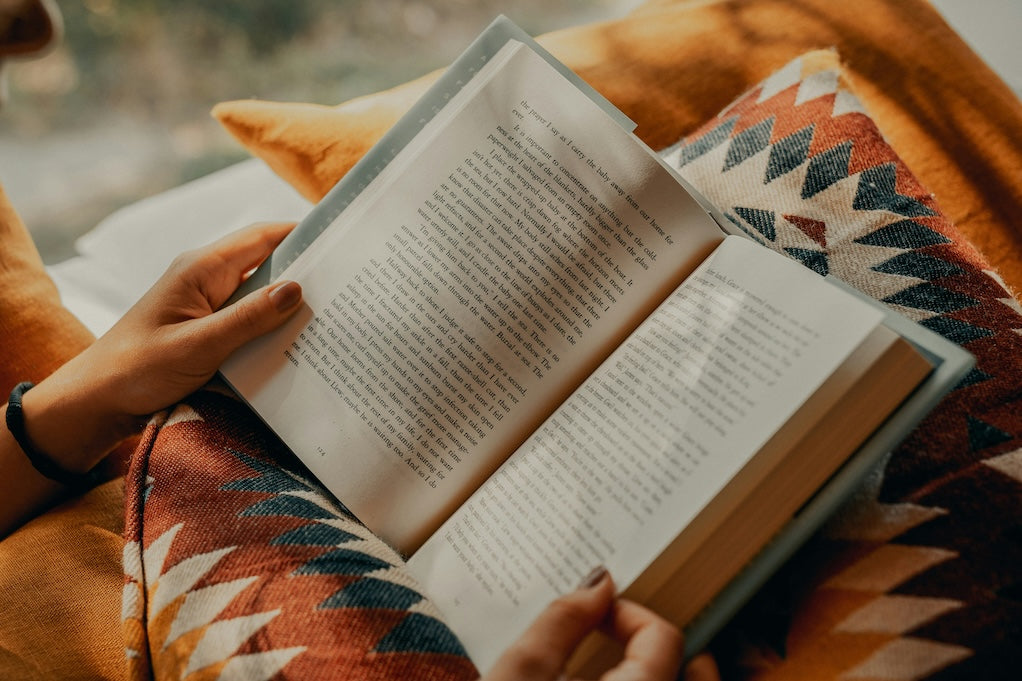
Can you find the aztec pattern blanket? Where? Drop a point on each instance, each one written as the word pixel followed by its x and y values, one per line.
pixel 919 577
pixel 237 565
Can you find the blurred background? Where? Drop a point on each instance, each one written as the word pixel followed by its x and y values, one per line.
pixel 120 110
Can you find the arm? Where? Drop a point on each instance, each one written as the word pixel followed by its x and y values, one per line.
pixel 168 345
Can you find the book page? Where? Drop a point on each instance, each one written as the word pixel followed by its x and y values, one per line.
pixel 466 292
pixel 644 444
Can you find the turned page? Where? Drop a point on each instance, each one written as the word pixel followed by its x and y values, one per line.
pixel 475 282
pixel 644 444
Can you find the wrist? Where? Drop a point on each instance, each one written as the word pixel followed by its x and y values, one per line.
pixel 68 422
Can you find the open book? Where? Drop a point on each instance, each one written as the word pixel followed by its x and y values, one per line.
pixel 527 350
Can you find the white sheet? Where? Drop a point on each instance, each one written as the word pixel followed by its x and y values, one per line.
pixel 123 255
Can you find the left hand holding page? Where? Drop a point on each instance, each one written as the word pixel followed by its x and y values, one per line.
pixel 169 344
pixel 652 646
pixel 176 337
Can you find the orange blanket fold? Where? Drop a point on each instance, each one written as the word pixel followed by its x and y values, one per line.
pixel 672 64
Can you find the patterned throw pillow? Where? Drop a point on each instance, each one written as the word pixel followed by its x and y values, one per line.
pixel 919 577
pixel 239 566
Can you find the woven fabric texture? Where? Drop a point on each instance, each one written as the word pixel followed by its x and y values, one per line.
pixel 237 563
pixel 59 574
pixel 239 566
pixel 918 578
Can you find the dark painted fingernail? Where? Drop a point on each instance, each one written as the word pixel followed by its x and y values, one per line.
pixel 593 578
pixel 285 295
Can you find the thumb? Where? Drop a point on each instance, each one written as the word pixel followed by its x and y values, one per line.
pixel 545 647
pixel 257 313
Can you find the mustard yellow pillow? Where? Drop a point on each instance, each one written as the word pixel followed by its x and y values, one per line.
pixel 60 592
pixel 60 575
pixel 672 64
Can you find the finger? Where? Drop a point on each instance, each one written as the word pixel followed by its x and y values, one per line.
pixel 702 668
pixel 233 256
pixel 653 646
pixel 259 312
pixel 248 247
pixel 544 648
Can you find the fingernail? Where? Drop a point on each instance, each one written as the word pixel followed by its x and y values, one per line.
pixel 285 295
pixel 593 578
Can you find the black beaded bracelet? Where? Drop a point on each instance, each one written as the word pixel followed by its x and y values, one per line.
pixel 41 462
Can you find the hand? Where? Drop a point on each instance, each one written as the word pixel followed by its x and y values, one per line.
pixel 168 344
pixel 653 647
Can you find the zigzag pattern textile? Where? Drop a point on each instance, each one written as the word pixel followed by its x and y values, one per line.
pixel 239 566
pixel 919 577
